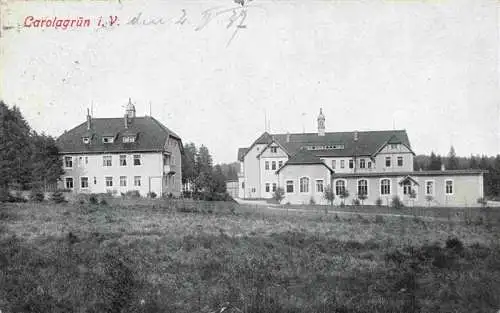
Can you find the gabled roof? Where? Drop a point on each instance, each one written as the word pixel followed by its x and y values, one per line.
pixel 408 178
pixel 151 136
pixel 304 157
pixel 270 144
pixel 368 143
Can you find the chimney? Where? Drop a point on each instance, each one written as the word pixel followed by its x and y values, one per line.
pixel 89 120
pixel 355 135
pixel 442 167
pixel 125 119
pixel 287 137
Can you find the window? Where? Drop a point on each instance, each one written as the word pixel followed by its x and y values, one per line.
pixel 273 165
pixel 280 164
pixel 95 180
pixel 351 163
pixel 68 161
pixel 362 163
pixel 407 188
pixel 274 187
pixel 137 181
pixel 342 163
pixel 137 159
pixel 400 161
pixel 362 187
pixel 69 182
pixel 369 164
pixel 108 139
pixel 319 185
pixel 86 140
pixel 84 182
pixel 267 165
pixel 172 160
pixel 334 164
pixel 289 186
pixel 267 187
pixel 123 160
pixel 106 160
pixel 394 146
pixel 304 184
pixel 449 186
pixel 123 181
pixel 128 139
pixel 339 187
pixel 385 187
pixel 109 181
pixel 86 160
pixel 387 161
pixel 429 187
pixel 274 149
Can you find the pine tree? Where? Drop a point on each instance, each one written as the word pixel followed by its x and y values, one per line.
pixel 435 162
pixel 452 163
pixel 473 164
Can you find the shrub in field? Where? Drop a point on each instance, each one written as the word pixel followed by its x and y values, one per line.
pixel 454 243
pixel 362 197
pixel 329 195
pixel 355 202
pixel 429 199
pixel 344 195
pixel 279 194
pixel 37 195
pixel 103 202
pixel 133 194
pixel 378 202
pixel 397 203
pixel 152 194
pixel 58 197
pixel 93 199
pixel 312 201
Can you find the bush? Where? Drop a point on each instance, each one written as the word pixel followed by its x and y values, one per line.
pixel 58 197
pixel 103 202
pixel 454 243
pixel 93 199
pixel 133 194
pixel 152 194
pixel 311 201
pixel 397 203
pixel 37 195
pixel 356 202
pixel 378 202
pixel 279 194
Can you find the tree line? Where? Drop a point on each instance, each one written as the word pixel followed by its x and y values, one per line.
pixel 28 160
pixel 453 162
pixel 200 176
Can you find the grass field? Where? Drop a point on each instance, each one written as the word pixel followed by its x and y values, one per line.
pixel 158 256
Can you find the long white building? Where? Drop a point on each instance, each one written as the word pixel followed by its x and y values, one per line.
pixel 377 164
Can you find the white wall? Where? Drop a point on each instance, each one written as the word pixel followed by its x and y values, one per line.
pixel 313 172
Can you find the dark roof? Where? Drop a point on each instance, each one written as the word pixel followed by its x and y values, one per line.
pixel 368 143
pixel 151 136
pixel 241 153
pixel 304 157
pixel 412 174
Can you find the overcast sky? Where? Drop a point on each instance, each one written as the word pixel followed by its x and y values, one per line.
pixel 430 67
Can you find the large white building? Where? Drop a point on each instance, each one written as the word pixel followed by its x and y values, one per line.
pixel 377 164
pixel 121 154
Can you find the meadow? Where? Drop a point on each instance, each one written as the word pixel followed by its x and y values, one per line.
pixel 167 256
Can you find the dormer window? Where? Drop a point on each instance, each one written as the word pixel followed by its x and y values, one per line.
pixel 108 139
pixel 86 140
pixel 274 149
pixel 128 139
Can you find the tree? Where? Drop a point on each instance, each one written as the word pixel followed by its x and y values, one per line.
pixel 344 195
pixel 435 162
pixel 189 163
pixel 329 195
pixel 362 196
pixel 279 194
pixel 452 163
pixel 46 164
pixel 218 180
pixel 473 164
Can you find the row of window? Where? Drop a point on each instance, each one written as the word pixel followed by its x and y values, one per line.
pixel 273 165
pixel 107 160
pixel 111 139
pixel 363 163
pixel 84 182
pixel 304 183
pixel 385 187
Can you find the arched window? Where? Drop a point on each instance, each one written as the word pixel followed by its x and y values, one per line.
pixel 339 187
pixel 304 184
pixel 385 187
pixel 362 187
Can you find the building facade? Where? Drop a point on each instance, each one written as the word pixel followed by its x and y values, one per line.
pixel 118 155
pixel 370 166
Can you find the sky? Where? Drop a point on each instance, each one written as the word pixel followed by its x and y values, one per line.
pixel 430 67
